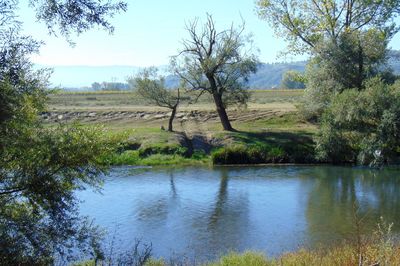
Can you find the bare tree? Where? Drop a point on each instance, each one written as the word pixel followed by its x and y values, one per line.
pixel 152 87
pixel 218 63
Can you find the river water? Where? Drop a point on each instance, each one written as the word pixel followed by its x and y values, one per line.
pixel 201 213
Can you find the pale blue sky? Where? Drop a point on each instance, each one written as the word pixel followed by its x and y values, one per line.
pixel 151 31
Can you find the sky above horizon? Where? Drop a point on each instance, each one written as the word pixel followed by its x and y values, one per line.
pixel 151 31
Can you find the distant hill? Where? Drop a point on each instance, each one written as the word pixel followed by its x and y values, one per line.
pixel 268 75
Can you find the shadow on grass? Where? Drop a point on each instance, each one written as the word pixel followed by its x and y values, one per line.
pixel 274 138
pixel 298 146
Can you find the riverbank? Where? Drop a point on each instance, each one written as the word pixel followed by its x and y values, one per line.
pixel 157 147
pixel 381 253
pixel 283 139
pixel 377 254
pixel 269 130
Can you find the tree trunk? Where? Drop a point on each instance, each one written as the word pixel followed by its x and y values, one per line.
pixel 223 116
pixel 171 119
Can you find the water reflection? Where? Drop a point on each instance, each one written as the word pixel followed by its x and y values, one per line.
pixel 220 199
pixel 338 197
pixel 202 212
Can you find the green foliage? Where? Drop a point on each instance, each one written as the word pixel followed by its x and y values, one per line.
pixel 341 64
pixel 41 168
pixel 155 262
pixel 293 80
pixel 76 16
pixel 320 90
pixel 155 156
pixel 122 158
pixel 348 40
pixel 362 126
pixel 245 259
pixel 152 88
pixel 163 149
pixel 251 154
pixel 306 24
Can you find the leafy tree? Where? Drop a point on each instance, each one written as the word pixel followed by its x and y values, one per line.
pixel 218 63
pixel 40 168
pixel 65 16
pixel 345 64
pixel 306 24
pixel 292 80
pixel 362 126
pixel 152 88
pixel 347 39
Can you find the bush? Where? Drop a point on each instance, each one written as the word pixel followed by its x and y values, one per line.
pixel 199 155
pixel 362 126
pixel 163 149
pixel 245 259
pixel 230 155
pixel 252 154
pixel 124 158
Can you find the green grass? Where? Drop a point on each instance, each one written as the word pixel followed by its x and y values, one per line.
pixel 378 253
pixel 132 157
pixel 372 254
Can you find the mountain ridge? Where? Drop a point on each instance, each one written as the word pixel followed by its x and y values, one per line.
pixel 268 75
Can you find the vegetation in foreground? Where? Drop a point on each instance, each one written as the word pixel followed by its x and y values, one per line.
pixel 378 249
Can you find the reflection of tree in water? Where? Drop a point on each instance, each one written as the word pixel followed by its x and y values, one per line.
pixel 227 225
pixel 156 208
pixel 172 185
pixel 213 223
pixel 222 196
pixel 335 194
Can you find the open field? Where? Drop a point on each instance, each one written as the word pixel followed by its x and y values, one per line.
pixel 126 100
pixel 128 110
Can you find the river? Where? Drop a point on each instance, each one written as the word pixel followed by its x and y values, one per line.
pixel 201 212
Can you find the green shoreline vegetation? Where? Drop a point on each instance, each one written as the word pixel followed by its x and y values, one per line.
pixel 379 248
pixel 155 147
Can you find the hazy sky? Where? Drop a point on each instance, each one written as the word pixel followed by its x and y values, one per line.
pixel 151 31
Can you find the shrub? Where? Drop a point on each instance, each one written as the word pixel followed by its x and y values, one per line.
pixel 163 149
pixel 245 259
pixel 199 155
pixel 252 154
pixel 124 158
pixel 362 126
pixel 276 155
pixel 230 155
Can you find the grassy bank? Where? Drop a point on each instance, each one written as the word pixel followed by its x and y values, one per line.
pixel 153 146
pixel 340 256
pixel 269 130
pixel 379 253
